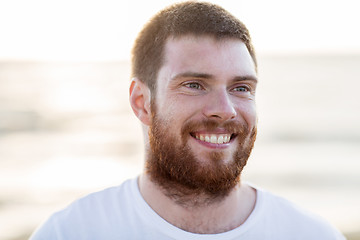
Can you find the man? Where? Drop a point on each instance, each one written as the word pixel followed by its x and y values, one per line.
pixel 193 89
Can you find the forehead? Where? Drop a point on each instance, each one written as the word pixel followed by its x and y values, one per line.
pixel 222 58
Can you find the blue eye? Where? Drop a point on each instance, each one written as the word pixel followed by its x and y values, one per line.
pixel 241 89
pixel 193 85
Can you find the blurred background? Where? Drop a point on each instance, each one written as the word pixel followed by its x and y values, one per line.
pixel 66 128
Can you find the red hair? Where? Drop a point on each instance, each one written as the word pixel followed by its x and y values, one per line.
pixel 187 18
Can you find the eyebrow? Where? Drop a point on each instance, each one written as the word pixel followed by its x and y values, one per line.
pixel 210 76
pixel 193 75
pixel 246 78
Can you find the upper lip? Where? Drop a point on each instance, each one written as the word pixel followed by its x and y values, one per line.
pixel 212 131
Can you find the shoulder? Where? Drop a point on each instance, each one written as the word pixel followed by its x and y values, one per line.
pixel 104 200
pixel 96 210
pixel 290 218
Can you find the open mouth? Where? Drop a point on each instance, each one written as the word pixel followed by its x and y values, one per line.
pixel 214 138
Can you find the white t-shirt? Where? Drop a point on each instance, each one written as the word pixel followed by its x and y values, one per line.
pixel 121 213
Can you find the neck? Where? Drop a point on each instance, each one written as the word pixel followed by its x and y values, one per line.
pixel 199 214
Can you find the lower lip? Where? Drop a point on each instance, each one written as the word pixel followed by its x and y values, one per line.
pixel 212 145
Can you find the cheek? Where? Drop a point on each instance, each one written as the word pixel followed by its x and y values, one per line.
pixel 249 114
pixel 171 113
pixel 179 107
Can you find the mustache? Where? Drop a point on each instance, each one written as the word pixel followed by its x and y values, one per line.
pixel 232 126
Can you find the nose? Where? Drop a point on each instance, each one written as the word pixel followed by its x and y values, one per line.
pixel 219 106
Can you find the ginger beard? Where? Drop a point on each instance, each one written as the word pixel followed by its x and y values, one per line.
pixel 173 166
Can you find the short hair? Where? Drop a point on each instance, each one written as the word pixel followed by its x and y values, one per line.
pixel 186 18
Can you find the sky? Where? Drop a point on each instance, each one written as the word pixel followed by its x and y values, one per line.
pixel 106 29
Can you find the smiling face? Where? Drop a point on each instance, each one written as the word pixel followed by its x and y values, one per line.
pixel 203 115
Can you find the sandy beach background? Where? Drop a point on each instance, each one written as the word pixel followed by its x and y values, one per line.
pixel 66 130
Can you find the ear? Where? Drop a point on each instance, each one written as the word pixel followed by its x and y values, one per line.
pixel 140 101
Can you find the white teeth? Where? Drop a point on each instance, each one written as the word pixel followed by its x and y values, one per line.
pixel 214 138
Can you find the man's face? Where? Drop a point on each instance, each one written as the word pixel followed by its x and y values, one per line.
pixel 203 117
